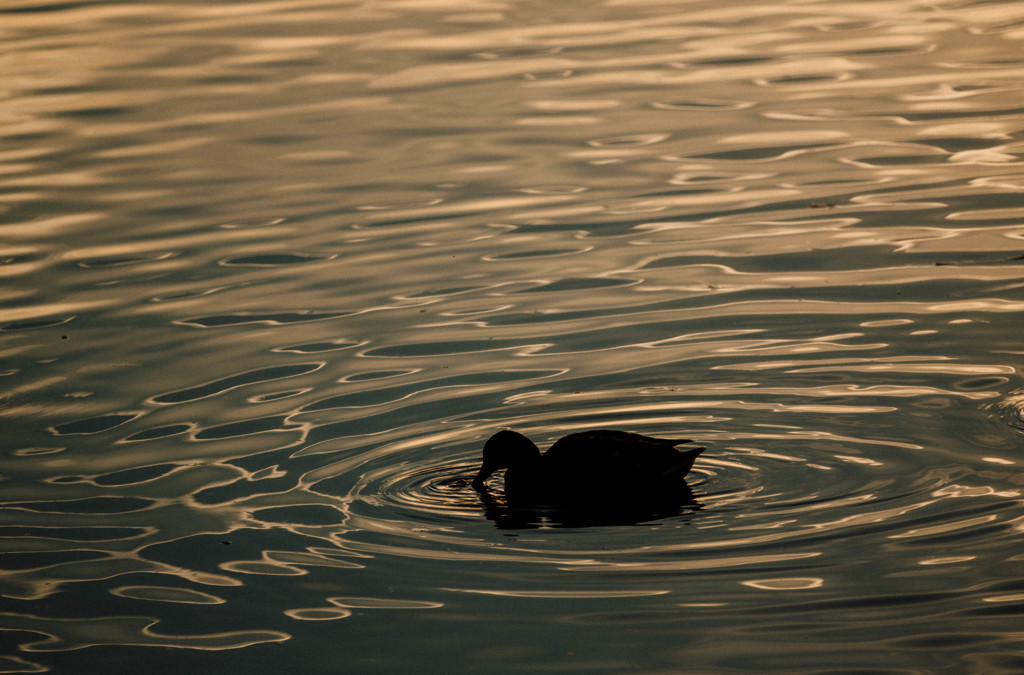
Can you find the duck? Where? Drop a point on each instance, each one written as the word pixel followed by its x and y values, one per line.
pixel 597 467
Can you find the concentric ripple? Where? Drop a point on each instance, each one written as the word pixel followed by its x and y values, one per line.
pixel 429 492
pixel 803 490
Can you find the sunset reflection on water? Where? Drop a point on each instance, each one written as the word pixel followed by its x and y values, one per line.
pixel 273 272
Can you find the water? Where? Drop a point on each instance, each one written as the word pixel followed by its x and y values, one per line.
pixel 274 271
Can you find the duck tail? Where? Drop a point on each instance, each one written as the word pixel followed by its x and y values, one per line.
pixel 684 463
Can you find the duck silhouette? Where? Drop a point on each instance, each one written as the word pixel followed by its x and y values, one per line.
pixel 596 472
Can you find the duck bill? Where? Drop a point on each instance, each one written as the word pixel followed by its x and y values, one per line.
pixel 485 473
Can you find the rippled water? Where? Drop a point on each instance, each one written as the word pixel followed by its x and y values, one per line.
pixel 273 272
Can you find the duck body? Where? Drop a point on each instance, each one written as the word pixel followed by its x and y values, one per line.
pixel 587 468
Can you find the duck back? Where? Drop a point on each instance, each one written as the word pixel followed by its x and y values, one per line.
pixel 614 464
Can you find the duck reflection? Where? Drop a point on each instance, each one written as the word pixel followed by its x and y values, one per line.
pixel 600 477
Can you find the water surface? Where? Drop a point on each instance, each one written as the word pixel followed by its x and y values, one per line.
pixel 274 271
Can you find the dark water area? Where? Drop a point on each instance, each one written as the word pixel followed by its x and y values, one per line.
pixel 274 271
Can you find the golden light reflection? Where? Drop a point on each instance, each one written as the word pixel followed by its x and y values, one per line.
pixel 167 594
pixel 696 564
pixel 351 602
pixel 945 527
pixel 947 560
pixel 318 613
pixel 786 584
pixel 68 634
pixel 1009 597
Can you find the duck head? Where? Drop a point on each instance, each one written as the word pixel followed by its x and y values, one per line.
pixel 505 449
